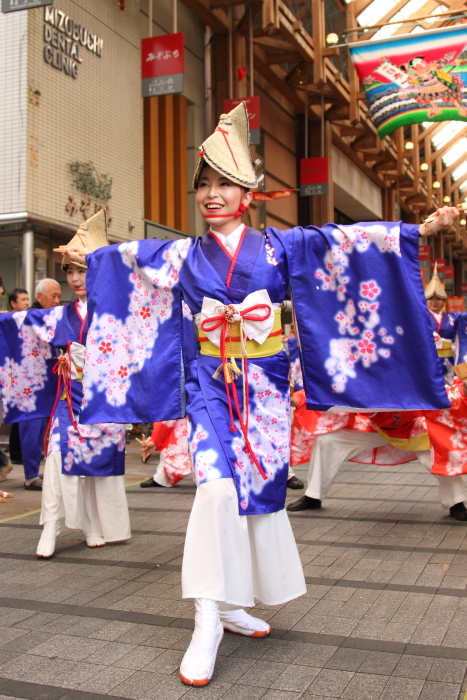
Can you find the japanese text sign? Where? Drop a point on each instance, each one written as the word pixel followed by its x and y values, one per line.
pixel 314 176
pixel 424 252
pixel 162 64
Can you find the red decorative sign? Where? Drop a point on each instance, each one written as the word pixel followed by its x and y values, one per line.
pixel 448 271
pixel 441 263
pixel 456 304
pixel 314 176
pixel 162 64
pixel 424 252
pixel 253 109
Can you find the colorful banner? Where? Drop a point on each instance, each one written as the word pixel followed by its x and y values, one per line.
pixel 414 78
pixel 456 305
pixel 162 64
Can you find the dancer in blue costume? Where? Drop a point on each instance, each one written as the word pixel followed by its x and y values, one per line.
pixel 449 329
pixel 42 356
pixel 362 324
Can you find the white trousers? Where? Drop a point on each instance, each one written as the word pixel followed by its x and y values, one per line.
pixel 236 558
pixel 160 477
pixel 97 505
pixel 331 450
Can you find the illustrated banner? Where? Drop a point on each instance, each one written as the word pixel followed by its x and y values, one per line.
pixel 414 78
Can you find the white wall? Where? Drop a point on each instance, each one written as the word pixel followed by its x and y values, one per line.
pixel 354 193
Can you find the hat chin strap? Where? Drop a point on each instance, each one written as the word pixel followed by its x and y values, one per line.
pixel 238 213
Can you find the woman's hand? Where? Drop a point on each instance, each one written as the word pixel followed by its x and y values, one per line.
pixel 443 218
pixel 147 448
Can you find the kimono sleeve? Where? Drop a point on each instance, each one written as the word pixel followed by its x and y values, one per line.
pixel 363 326
pixel 134 370
pixel 27 382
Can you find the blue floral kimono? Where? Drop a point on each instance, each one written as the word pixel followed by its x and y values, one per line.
pixel 33 385
pixel 361 319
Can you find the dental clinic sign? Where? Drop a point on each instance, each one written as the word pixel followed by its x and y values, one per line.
pixel 65 41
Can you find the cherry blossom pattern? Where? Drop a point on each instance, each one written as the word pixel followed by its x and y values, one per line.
pixel 87 446
pixel 269 435
pixel 132 339
pixel 204 460
pixel 21 381
pixel 177 459
pixel 370 289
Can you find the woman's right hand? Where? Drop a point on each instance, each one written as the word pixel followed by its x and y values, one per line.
pixel 147 448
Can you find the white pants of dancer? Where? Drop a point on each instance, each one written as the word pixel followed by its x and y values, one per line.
pixel 97 505
pixel 236 558
pixel 331 450
pixel 160 477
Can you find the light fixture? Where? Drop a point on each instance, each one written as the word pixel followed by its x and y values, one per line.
pixel 463 222
pixel 436 185
pixel 424 166
pixel 332 38
pixel 409 146
pixel 446 199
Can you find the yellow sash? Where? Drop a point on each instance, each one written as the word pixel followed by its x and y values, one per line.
pixel 233 348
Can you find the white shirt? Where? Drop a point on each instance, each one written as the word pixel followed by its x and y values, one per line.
pixel 231 241
pixel 82 307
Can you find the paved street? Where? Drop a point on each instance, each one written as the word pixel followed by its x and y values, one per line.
pixel 385 616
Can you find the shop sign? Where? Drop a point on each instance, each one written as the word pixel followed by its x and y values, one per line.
pixel 463 287
pixel 253 107
pixel 64 39
pixel 424 252
pixel 162 65
pixel 314 176
pixel 87 207
pixel 14 5
pixel 456 304
pixel 441 263
pixel 448 271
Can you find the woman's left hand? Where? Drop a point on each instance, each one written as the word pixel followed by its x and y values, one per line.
pixel 443 218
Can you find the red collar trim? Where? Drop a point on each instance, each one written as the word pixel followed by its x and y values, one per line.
pixel 234 259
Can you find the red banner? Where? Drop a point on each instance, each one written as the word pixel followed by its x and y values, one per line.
pixel 162 64
pixel 314 176
pixel 441 263
pixel 463 287
pixel 424 252
pixel 448 271
pixel 456 304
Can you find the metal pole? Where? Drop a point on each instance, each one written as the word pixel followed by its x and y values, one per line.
pixel 150 17
pixel 208 79
pixel 175 8
pixel 252 79
pixel 28 263
pixel 230 53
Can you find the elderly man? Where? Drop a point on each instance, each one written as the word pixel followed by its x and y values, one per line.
pixel 48 294
pixel 31 432
pixel 19 299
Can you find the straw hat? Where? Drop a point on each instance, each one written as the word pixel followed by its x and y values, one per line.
pixel 90 236
pixel 227 150
pixel 435 286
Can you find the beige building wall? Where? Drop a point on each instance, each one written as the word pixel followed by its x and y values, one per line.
pixel 13 92
pixel 95 117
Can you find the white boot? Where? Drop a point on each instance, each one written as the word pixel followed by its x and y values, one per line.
pixel 46 545
pixel 240 622
pixel 197 666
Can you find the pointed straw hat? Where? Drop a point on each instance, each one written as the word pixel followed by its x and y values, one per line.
pixel 435 286
pixel 227 150
pixel 90 236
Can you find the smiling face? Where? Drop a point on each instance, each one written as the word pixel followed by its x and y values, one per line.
pixel 435 304
pixel 76 278
pixel 216 195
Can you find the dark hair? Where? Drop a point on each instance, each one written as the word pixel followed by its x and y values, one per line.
pixel 206 165
pixel 13 296
pixel 1 281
